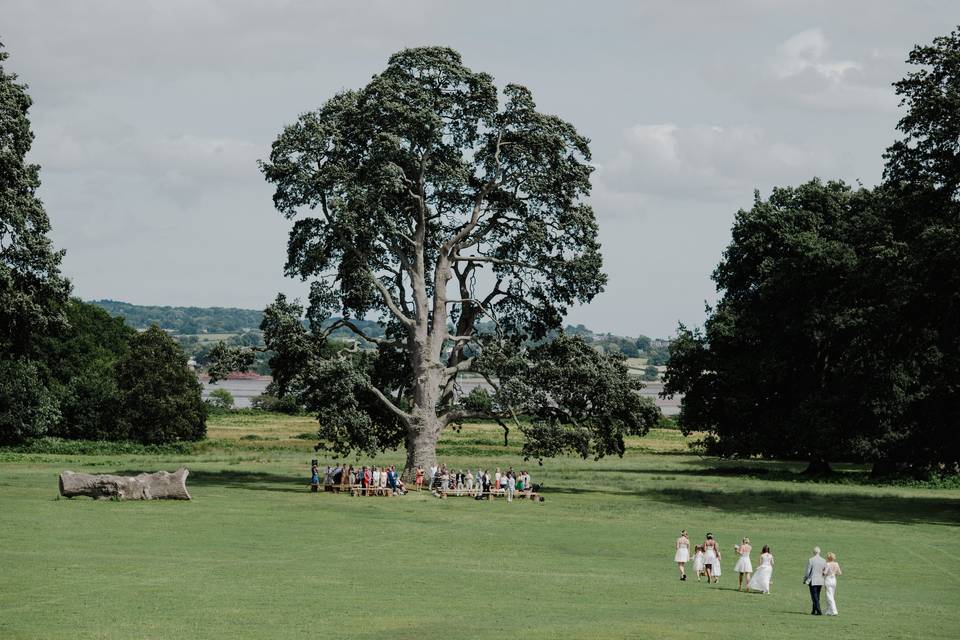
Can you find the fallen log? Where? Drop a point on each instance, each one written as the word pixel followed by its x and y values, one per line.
pixel 146 486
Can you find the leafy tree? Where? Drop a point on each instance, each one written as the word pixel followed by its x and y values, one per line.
pixel 650 372
pixel 410 195
pixel 918 325
pixel 221 399
pixel 160 395
pixel 32 290
pixel 774 372
pixel 77 366
pixel 90 407
pixel 27 408
pixel 642 342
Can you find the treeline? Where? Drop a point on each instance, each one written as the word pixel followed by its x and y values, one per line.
pixel 184 320
pixel 189 323
pixel 837 334
pixel 67 368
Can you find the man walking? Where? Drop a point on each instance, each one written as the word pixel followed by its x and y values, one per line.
pixel 814 579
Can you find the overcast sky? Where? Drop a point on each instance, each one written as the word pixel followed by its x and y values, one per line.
pixel 150 116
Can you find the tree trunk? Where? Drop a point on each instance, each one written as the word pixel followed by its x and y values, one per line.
pixel 421 447
pixel 818 468
pixel 146 486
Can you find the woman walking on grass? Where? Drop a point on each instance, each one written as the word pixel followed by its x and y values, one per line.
pixel 830 573
pixel 711 558
pixel 682 554
pixel 744 567
pixel 761 577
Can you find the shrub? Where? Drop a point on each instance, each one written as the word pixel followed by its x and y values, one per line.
pixel 90 408
pixel 287 404
pixel 221 399
pixel 27 408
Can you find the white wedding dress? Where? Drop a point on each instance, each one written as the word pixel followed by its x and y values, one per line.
pixel 830 586
pixel 760 581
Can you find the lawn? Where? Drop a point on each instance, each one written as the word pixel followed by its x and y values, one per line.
pixel 255 555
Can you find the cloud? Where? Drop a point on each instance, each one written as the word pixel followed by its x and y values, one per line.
pixel 802 70
pixel 704 162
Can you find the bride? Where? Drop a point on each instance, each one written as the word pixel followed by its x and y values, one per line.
pixel 830 573
pixel 761 577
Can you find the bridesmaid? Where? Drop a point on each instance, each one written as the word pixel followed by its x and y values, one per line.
pixel 830 573
pixel 683 553
pixel 744 567
pixel 711 557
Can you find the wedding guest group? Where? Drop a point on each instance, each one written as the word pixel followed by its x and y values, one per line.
pixel 441 481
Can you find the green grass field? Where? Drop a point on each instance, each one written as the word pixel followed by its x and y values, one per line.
pixel 255 555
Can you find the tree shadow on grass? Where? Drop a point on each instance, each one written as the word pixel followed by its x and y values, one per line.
pixel 849 506
pixel 239 479
pixel 773 470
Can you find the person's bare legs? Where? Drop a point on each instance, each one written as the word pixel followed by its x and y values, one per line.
pixel 709 571
pixel 683 569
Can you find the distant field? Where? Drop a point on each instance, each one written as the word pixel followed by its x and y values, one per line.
pixel 255 555
pixel 208 337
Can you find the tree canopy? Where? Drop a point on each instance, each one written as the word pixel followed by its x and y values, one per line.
pixel 837 334
pixel 33 292
pixel 435 203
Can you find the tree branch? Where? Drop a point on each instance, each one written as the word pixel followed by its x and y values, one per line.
pixel 388 403
pixel 343 322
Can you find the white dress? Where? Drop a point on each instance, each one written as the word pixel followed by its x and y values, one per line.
pixel 698 563
pixel 683 552
pixel 830 586
pixel 710 558
pixel 743 564
pixel 760 581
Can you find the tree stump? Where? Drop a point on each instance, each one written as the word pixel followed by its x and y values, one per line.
pixel 146 486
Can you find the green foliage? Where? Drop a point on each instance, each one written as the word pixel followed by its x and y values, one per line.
pixel 32 290
pixel 91 408
pixel 288 404
pixel 771 374
pixel 221 399
pixel 650 373
pixel 69 447
pixel 838 333
pixel 27 409
pixel 159 394
pixel 579 400
pixel 929 153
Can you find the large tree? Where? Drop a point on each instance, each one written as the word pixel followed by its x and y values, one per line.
pixel 455 214
pixel 920 320
pixel 774 371
pixel 33 292
pixel 837 334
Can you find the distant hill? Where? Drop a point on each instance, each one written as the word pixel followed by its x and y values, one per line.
pixel 184 320
pixel 227 320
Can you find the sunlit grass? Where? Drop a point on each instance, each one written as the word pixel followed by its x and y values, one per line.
pixel 256 555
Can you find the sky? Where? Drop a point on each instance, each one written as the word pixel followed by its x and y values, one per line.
pixel 149 118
